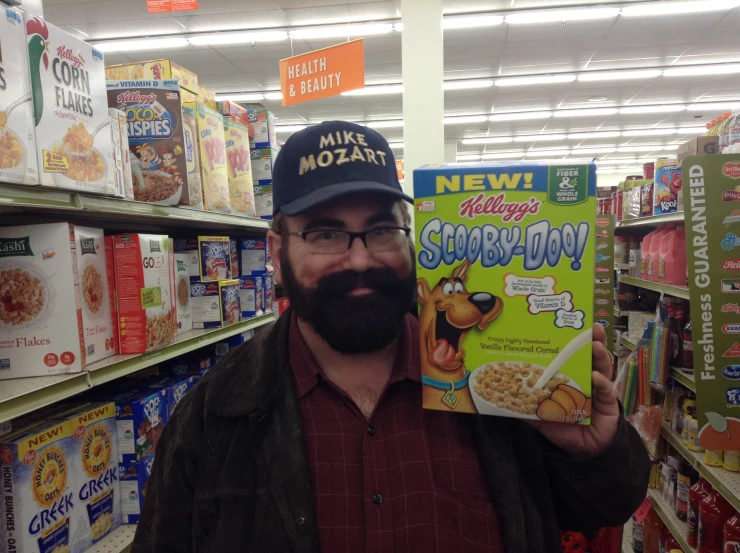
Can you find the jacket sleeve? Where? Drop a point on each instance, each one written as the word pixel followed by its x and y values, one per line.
pixel 166 519
pixel 600 491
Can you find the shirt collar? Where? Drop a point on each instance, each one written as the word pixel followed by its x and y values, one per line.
pixel 307 370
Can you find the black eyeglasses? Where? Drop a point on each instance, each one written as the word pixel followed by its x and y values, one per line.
pixel 378 239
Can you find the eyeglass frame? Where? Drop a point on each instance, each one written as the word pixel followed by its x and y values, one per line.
pixel 362 235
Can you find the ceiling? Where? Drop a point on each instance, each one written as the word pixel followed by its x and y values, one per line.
pixel 505 50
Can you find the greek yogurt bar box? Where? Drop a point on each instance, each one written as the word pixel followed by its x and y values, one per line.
pixel 505 258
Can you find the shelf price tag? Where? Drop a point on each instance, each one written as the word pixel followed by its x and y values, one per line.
pixel 643 510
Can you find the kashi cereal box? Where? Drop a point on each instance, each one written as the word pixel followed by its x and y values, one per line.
pixel 133 477
pixel 505 265
pixel 97 319
pixel 192 195
pixel 182 293
pixel 146 318
pixel 205 300
pixel 140 419
pixel 253 259
pixel 41 330
pixel 95 465
pixel 228 291
pixel 17 136
pixel 73 144
pixel 155 70
pixel 239 162
pixel 155 136
pixel 215 258
pixel 214 172
pixel 39 490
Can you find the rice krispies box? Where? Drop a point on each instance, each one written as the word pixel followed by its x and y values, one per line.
pixel 73 144
pixel 41 330
pixel 505 265
pixel 18 142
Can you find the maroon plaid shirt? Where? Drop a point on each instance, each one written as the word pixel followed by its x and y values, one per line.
pixel 408 480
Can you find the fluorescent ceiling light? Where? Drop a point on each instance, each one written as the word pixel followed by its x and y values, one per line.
pixel 525 116
pixel 628 169
pixel 650 132
pixel 553 16
pixel 372 90
pixel 675 8
pixel 488 140
pixel 691 130
pixel 340 31
pixel 547 153
pixel 290 128
pixel 243 97
pixel 503 155
pixel 698 70
pixel 459 163
pixel 605 172
pixel 273 96
pixel 671 147
pixel 713 106
pixel 464 84
pixel 465 119
pixel 589 135
pixel 648 148
pixel 585 112
pixel 620 75
pixel 132 45
pixel 604 150
pixel 539 137
pixel 468 158
pixel 396 145
pixel 385 124
pixel 670 108
pixel 238 38
pixel 538 79
pixel 471 21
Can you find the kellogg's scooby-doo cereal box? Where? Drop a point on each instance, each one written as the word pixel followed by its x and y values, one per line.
pixel 505 264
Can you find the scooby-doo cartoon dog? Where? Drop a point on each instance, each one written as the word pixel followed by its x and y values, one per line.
pixel 448 313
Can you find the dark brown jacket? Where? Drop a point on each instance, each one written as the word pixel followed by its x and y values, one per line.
pixel 231 472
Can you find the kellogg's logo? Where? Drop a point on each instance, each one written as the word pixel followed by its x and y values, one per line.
pixel 67 54
pixel 731 308
pixel 731 265
pixel 498 206
pixel 135 97
pixel 731 170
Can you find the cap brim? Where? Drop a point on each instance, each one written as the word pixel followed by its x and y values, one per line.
pixel 334 191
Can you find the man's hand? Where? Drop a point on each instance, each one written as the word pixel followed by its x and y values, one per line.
pixel 590 440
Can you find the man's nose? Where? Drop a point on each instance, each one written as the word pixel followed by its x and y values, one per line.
pixel 359 257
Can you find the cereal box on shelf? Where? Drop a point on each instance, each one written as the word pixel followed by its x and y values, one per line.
pixel 667 187
pixel 213 170
pixel 253 256
pixel 97 319
pixel 206 304
pixel 17 137
pixel 268 292
pixel 263 123
pixel 133 476
pixel 156 70
pixel 214 254
pixel 128 182
pixel 189 246
pixel 110 271
pixel 239 113
pixel 248 296
pixel 155 135
pixel 146 319
pixel 73 145
pixel 181 292
pixel 228 291
pixel 41 329
pixel 115 136
pixel 241 199
pixel 234 256
pixel 263 160
pixel 505 262
pixel 176 387
pixel 208 98
pixel 140 419
pixel 192 195
pixel 263 201
pixel 259 294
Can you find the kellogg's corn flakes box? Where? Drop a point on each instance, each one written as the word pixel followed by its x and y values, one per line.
pixel 505 266
pixel 73 143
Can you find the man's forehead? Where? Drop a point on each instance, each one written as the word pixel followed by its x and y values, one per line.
pixel 351 208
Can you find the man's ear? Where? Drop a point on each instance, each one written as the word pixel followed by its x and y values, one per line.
pixel 274 243
pixel 422 290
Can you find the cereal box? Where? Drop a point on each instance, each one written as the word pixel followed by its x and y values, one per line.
pixel 668 187
pixel 505 264
pixel 208 98
pixel 241 188
pixel 39 490
pixel 192 195
pixel 213 170
pixel 95 464
pixel 189 246
pixel 259 294
pixel 140 419
pixel 115 136
pixel 228 290
pixel 263 160
pixel 146 318
pixel 41 329
pixel 268 292
pixel 253 256
pixel 155 136
pixel 128 182
pixel 17 137
pixel 155 70
pixel 176 389
pixel 110 271
pixel 234 257
pixel 248 296
pixel 73 145
pixel 182 293
pixel 97 319
pixel 263 123
pixel 206 303
pixel 239 113
pixel 133 477
pixel 214 254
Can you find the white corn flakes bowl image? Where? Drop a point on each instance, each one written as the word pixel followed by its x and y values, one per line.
pixel 214 192
pixel 86 272
pixel 63 181
pixel 19 170
pixel 27 272
pixel 488 407
pixel 172 199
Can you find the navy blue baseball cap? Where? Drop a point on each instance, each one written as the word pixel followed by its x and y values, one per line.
pixel 327 161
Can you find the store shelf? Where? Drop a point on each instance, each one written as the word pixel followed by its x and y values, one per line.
pixel 652 221
pixel 627 537
pixel 20 396
pixel 668 515
pixel 671 290
pixel 621 266
pixel 43 200
pixel 119 541
pixel 687 379
pixel 626 342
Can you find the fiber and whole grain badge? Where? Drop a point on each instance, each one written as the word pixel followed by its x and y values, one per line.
pixel 505 264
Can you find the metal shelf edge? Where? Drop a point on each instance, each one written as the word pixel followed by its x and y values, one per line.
pixel 677 527
pixel 653 220
pixel 671 290
pixel 685 379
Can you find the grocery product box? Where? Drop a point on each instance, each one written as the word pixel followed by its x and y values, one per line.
pixel 146 318
pixel 667 187
pixel 133 476
pixel 241 199
pixel 248 296
pixel 505 265
pixel 206 303
pixel 110 272
pixel 115 136
pixel 263 159
pixel 155 70
pixel 263 201
pixel 192 195
pixel 698 146
pixel 212 150
pixel 155 135
pixel 181 291
pixel 253 256
pixel 176 389
pixel 237 112
pixel 189 246
pixel 234 258
pixel 214 258
pixel 41 329
pixel 259 285
pixel 140 419
pixel 18 142
pixel 33 8
pixel 228 291
pixel 263 123
pixel 97 319
pixel 128 182
pixel 208 98
pixel 268 282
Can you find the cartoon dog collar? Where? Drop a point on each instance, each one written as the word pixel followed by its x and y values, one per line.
pixel 449 399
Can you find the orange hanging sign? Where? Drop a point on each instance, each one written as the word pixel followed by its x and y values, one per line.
pixel 323 73
pixel 399 168
pixel 166 6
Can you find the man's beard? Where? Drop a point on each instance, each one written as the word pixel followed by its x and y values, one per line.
pixel 352 324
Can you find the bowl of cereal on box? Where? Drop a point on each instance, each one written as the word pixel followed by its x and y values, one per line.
pixel 13 157
pixel 507 388
pixel 93 291
pixel 90 169
pixel 25 296
pixel 159 187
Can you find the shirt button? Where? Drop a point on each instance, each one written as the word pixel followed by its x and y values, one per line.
pixel 378 499
pixel 300 521
pixel 371 430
